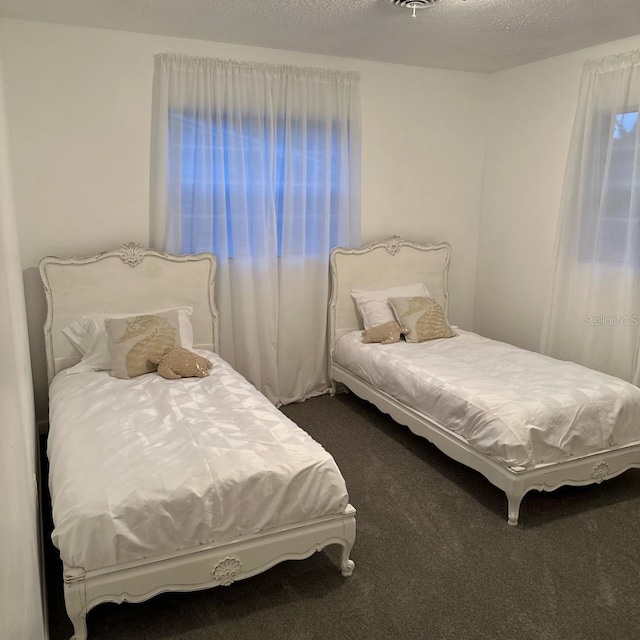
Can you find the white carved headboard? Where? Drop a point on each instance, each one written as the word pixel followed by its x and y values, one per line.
pixel 132 279
pixel 380 265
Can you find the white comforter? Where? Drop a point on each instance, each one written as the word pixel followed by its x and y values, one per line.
pixel 148 466
pixel 522 408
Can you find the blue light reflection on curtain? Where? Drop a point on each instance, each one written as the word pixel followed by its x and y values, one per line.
pixel 593 316
pixel 300 185
pixel 610 210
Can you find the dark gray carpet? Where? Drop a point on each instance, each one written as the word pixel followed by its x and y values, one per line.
pixel 435 558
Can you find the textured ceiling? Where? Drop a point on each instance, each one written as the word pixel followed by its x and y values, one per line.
pixel 471 35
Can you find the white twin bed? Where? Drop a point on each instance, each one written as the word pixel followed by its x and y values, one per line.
pixel 522 419
pixel 170 485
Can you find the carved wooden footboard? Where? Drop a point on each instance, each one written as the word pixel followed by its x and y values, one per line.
pixel 208 566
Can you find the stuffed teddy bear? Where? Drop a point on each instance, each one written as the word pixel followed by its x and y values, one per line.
pixel 182 363
pixel 386 333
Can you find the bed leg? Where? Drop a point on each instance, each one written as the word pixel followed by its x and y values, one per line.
pixel 79 628
pixel 346 566
pixel 75 602
pixel 514 498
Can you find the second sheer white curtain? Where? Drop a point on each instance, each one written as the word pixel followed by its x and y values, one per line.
pixel 260 164
pixel 594 315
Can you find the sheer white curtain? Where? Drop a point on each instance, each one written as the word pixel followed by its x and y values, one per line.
pixel 21 599
pixel 260 164
pixel 594 314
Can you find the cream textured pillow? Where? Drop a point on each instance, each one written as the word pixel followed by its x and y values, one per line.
pixel 423 318
pixel 137 343
pixel 182 363
pixel 386 333
pixel 373 304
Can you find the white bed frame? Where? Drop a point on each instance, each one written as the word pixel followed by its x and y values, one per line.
pixel 394 262
pixel 132 280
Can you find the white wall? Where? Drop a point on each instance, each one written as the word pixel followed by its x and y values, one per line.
pixel 79 104
pixel 21 597
pixel 529 128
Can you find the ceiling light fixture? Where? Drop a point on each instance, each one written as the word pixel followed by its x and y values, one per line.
pixel 415 4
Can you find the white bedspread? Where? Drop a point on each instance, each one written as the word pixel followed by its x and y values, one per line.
pixel 148 466
pixel 520 407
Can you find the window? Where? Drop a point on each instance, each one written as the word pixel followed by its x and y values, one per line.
pixel 610 227
pixel 226 167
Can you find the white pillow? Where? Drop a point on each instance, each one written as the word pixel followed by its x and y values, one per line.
pixel 373 306
pixel 89 336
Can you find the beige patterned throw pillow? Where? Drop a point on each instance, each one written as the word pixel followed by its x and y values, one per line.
pixel 137 343
pixel 423 317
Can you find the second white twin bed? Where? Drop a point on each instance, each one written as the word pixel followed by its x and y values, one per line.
pixel 524 420
pixel 521 408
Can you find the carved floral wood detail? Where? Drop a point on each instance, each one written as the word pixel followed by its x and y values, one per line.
pixel 393 244
pixel 226 570
pixel 131 253
pixel 600 471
